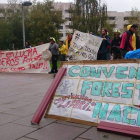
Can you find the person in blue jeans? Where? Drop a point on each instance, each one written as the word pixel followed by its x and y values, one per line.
pixel 102 53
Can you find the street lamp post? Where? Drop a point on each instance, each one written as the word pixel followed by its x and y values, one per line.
pixel 26 3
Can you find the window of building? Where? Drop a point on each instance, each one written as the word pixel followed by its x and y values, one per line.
pixel 66 11
pixel 68 19
pixel 113 25
pixel 2 10
pixel 67 27
pixel 61 27
pixel 2 17
pixel 61 34
pixel 132 18
pixel 126 18
pixel 125 25
pixel 111 18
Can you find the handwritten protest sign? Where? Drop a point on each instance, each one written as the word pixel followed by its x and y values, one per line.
pixel 84 46
pixel 95 91
pixel 24 61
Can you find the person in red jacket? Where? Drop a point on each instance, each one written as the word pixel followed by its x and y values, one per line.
pixel 126 43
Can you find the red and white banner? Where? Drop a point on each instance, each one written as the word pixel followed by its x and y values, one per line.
pixel 24 61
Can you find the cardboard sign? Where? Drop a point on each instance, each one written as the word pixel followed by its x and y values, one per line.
pixel 24 61
pixel 95 91
pixel 84 46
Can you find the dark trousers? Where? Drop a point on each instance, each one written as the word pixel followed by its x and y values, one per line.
pixel 123 53
pixel 102 56
pixel 63 57
pixel 54 63
pixel 116 56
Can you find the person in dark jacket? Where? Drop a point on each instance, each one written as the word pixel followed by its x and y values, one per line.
pixel 102 53
pixel 27 45
pixel 53 48
pixel 126 43
pixel 108 48
pixel 137 42
pixel 115 45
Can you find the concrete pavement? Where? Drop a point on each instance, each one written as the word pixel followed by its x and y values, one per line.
pixel 20 95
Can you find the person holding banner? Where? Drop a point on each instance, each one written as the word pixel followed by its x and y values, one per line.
pixel 53 48
pixel 63 51
pixel 115 45
pixel 102 53
pixel 127 40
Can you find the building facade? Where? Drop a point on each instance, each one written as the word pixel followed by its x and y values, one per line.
pixel 119 18
pixel 64 28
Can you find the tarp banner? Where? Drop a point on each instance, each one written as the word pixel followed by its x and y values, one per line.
pixel 104 91
pixel 24 61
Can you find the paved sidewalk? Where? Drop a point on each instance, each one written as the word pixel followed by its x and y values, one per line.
pixel 20 95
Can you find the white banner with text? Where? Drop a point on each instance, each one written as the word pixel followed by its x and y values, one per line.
pixel 84 46
pixel 108 92
pixel 25 61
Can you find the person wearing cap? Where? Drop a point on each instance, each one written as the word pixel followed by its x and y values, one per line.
pixel 127 39
pixel 63 51
pixel 115 45
pixel 53 48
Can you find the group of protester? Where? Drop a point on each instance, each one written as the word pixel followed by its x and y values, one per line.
pixel 109 49
pixel 119 46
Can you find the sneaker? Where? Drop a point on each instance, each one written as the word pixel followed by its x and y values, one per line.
pixel 51 72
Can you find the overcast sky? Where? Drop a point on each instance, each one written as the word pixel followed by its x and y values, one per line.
pixel 113 5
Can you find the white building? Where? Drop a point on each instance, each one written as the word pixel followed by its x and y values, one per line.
pixel 119 18
pixel 64 28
